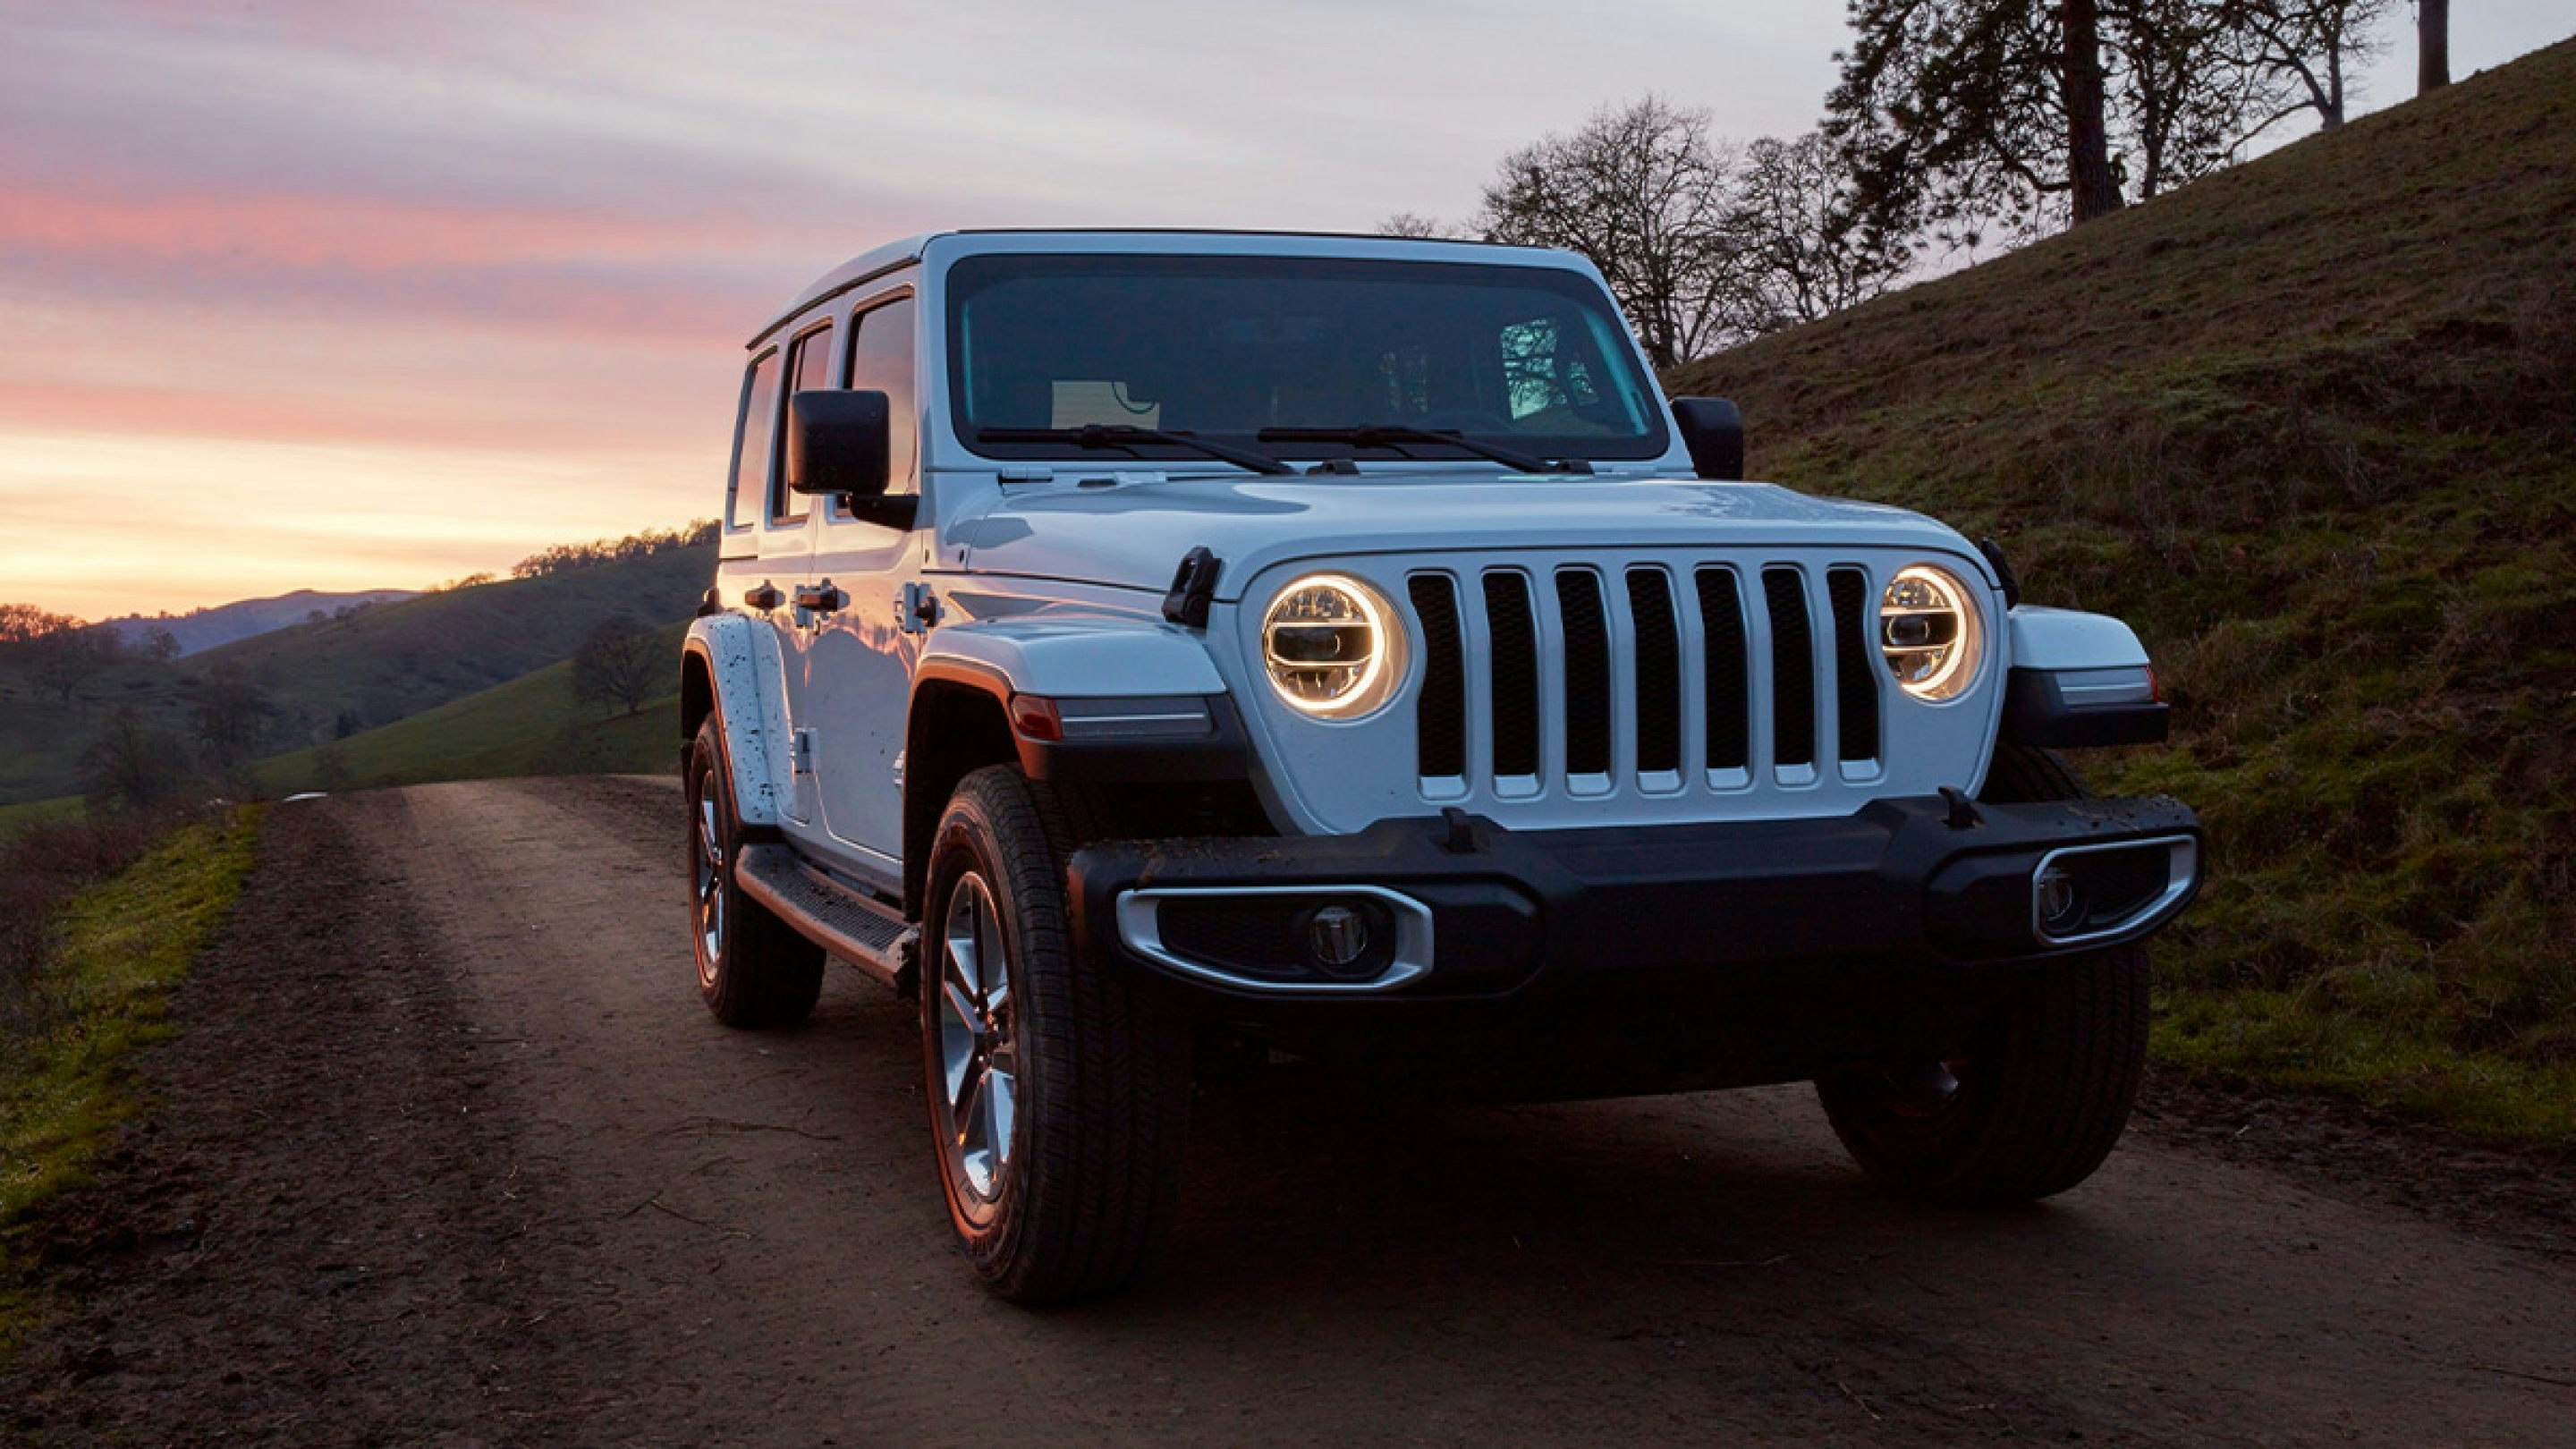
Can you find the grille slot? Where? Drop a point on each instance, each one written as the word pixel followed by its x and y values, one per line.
pixel 1659 672
pixel 1727 691
pixel 1587 672
pixel 1855 671
pixel 1793 667
pixel 1440 715
pixel 1514 632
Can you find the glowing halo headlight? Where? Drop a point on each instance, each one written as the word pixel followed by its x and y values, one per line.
pixel 1332 646
pixel 1929 632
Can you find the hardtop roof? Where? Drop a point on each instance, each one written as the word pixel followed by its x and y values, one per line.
pixel 894 255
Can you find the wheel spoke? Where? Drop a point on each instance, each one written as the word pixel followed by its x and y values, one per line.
pixel 1002 1090
pixel 991 973
pixel 967 1107
pixel 959 1008
pixel 958 969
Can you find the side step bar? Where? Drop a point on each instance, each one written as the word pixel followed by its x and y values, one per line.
pixel 860 931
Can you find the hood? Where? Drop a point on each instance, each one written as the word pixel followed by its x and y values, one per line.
pixel 1133 534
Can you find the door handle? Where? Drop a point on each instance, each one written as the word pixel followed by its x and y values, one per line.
pixel 820 598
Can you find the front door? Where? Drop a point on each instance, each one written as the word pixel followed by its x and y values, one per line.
pixel 787 551
pixel 859 676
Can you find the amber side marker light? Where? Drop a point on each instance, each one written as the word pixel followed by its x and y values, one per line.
pixel 1035 717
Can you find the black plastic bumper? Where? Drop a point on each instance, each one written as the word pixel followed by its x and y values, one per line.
pixel 1911 886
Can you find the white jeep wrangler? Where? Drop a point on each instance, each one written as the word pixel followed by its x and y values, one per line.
pixel 1135 642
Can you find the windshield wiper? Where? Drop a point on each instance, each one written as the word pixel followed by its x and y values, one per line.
pixel 1120 435
pixel 1395 435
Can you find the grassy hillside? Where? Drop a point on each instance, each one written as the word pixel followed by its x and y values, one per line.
pixel 2311 425
pixel 383 665
pixel 529 726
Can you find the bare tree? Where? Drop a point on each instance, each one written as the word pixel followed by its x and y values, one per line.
pixel 231 715
pixel 619 663
pixel 1640 191
pixel 160 645
pixel 2297 55
pixel 1413 225
pixel 1801 253
pixel 21 623
pixel 131 764
pixel 2432 45
pixel 68 656
pixel 1960 115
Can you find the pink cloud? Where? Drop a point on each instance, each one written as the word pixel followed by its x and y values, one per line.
pixel 360 233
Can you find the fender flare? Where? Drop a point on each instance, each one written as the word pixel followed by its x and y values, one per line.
pixel 1092 656
pixel 2079 681
pixel 2045 638
pixel 745 677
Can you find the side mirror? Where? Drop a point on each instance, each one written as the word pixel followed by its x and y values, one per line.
pixel 838 443
pixel 1714 432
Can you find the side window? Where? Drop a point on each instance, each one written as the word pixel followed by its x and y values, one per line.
pixel 754 435
pixel 881 360
pixel 809 360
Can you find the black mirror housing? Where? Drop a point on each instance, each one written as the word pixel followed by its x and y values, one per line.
pixel 1714 432
pixel 837 442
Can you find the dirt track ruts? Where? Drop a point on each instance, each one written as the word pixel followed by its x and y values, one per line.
pixel 450 1153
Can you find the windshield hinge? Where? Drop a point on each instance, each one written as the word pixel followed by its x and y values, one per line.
pixel 1193 588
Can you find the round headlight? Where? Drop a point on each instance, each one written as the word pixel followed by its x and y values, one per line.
pixel 1929 633
pixel 1333 646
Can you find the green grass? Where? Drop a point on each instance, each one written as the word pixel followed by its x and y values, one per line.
pixel 123 943
pixel 28 812
pixel 382 665
pixel 2311 426
pixel 529 726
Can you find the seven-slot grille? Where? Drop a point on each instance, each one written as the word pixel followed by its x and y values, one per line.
pixel 1626 642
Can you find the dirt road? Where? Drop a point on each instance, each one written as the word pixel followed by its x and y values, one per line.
pixel 450 1153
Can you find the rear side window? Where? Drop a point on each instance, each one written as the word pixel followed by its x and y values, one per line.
pixel 809 362
pixel 755 437
pixel 881 361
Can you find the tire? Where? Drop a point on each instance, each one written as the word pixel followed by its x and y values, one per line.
pixel 753 969
pixel 1058 1109
pixel 2038 1095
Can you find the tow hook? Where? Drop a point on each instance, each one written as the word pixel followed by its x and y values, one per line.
pixel 1963 811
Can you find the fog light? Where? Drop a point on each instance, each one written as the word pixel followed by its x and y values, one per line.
pixel 1337 936
pixel 2060 904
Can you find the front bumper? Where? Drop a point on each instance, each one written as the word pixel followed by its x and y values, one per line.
pixel 1586 962
pixel 1476 910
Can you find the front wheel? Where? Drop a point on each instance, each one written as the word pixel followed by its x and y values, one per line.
pixel 2033 1101
pixel 2027 1108
pixel 1058 1094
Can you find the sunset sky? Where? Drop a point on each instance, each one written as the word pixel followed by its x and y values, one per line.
pixel 345 295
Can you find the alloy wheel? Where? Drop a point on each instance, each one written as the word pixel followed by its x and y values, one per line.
pixel 978 1065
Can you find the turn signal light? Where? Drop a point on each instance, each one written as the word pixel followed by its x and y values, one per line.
pixel 1036 717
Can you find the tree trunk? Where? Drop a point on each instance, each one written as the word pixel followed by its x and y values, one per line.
pixel 2088 144
pixel 2432 45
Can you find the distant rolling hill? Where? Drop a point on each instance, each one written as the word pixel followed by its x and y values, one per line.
pixel 204 629
pixel 2311 424
pixel 371 669
pixel 531 725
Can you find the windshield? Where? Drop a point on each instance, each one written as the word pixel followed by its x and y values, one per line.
pixel 1230 348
